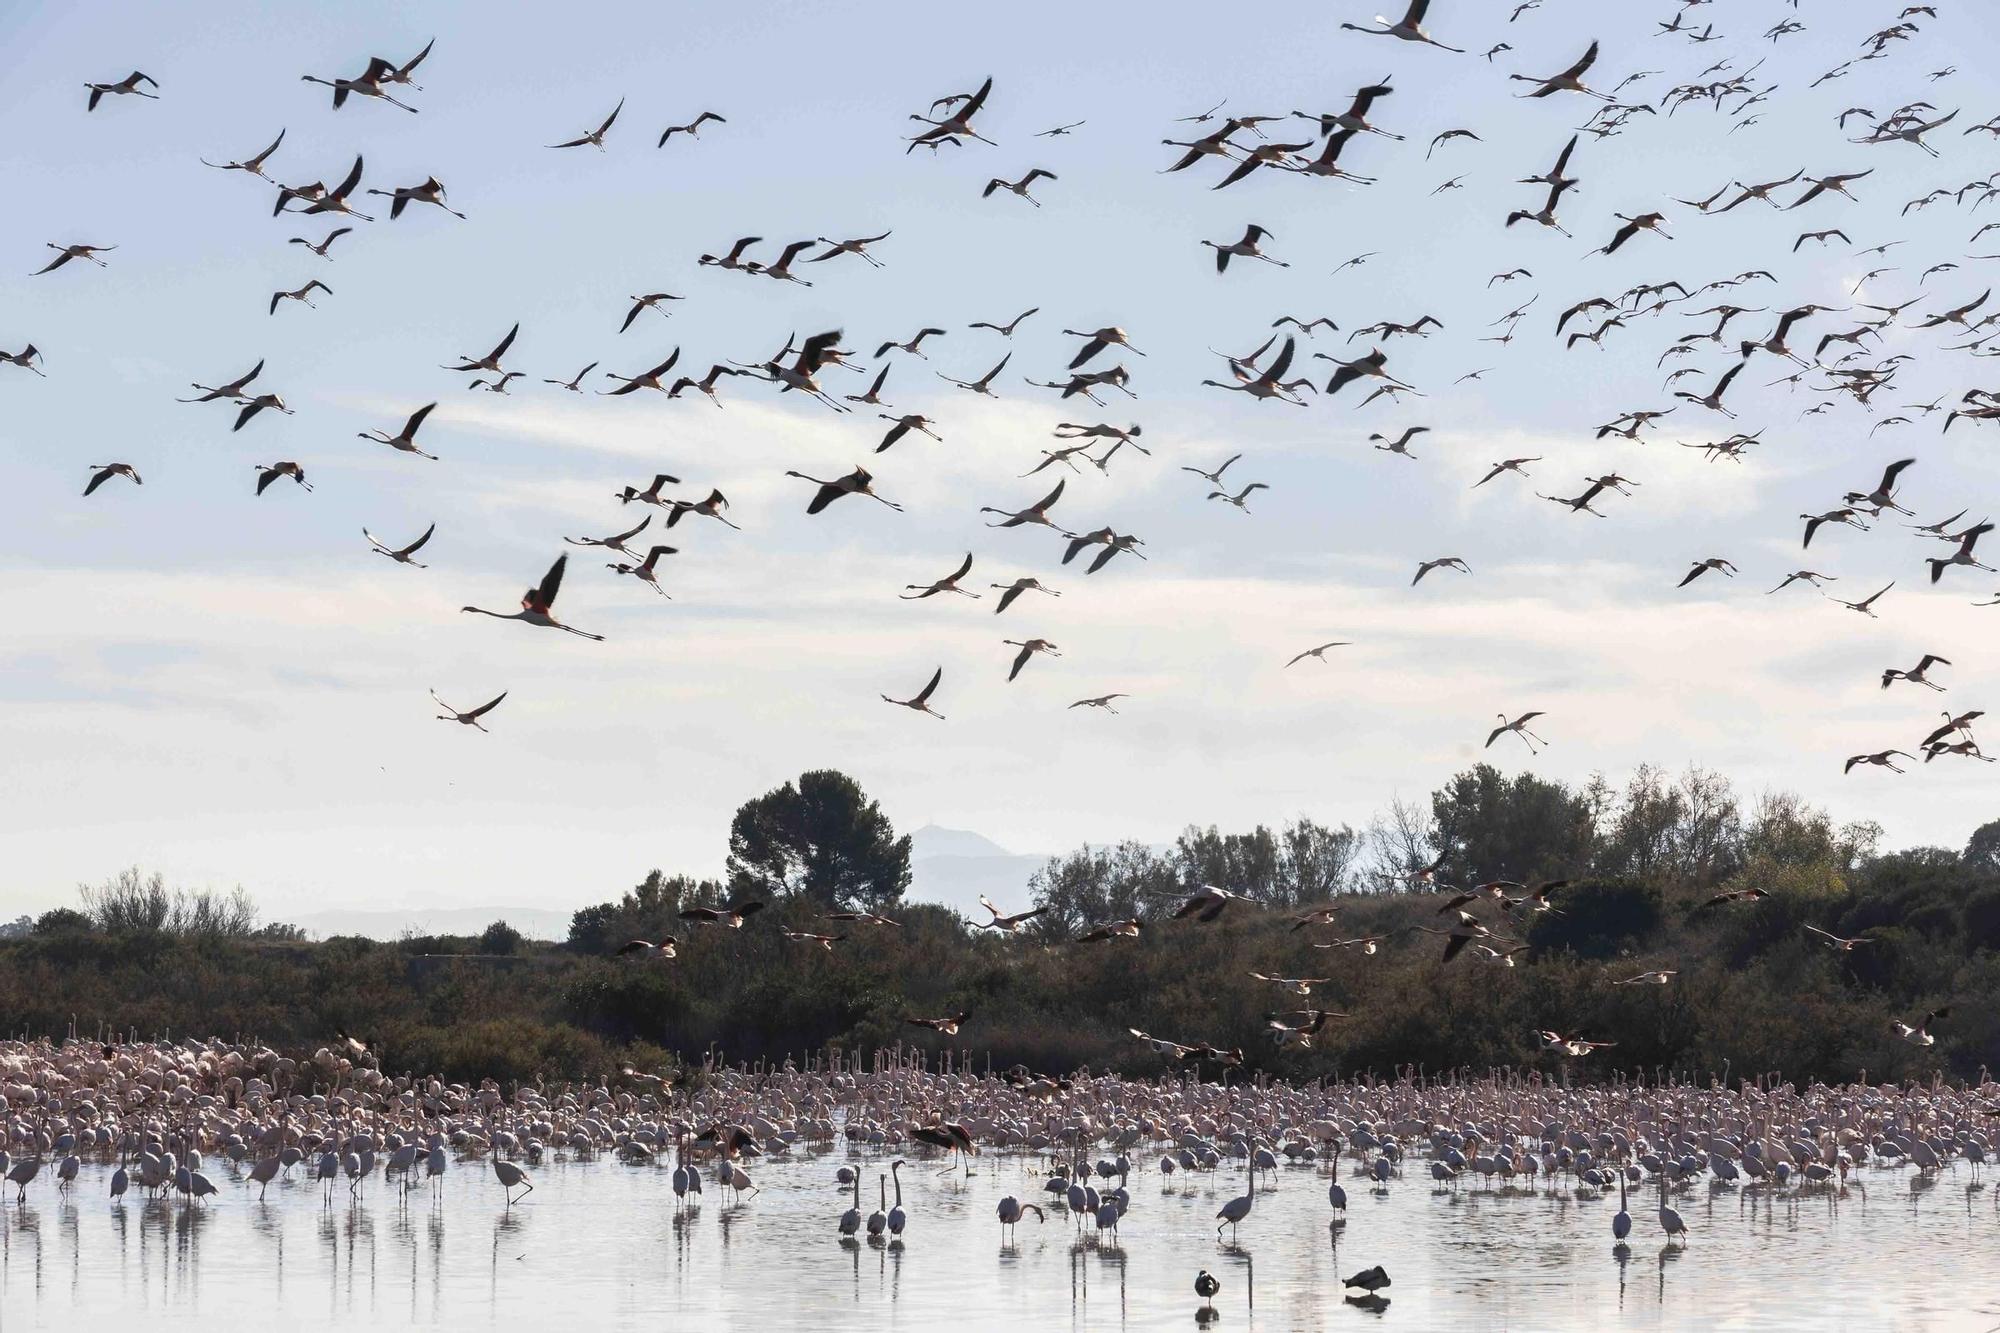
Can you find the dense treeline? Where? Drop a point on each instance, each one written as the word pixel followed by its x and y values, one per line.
pixel 1753 987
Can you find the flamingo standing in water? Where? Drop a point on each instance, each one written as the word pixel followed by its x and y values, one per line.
pixel 850 1221
pixel 1238 1208
pixel 879 1219
pixel 1010 1211
pixel 1670 1221
pixel 509 1176
pixel 897 1217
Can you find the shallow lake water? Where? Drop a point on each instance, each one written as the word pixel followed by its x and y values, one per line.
pixel 601 1245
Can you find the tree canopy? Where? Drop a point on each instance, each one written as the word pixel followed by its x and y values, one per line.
pixel 647 911
pixel 1982 849
pixel 1750 983
pixel 822 838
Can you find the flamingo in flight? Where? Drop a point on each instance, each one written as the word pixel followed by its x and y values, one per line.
pixel 1519 726
pixel 538 603
pixel 470 719
pixel 921 701
pixel 129 85
pixel 1410 28
pixel 401 555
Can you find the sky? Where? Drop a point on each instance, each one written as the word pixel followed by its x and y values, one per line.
pixel 233 689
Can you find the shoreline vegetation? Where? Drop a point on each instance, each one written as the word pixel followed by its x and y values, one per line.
pixel 1754 990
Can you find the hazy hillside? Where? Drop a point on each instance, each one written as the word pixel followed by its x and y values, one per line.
pixel 537 923
pixel 955 866
pixel 949 866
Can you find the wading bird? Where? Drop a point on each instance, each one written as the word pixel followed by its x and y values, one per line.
pixel 921 701
pixel 730 916
pixel 1008 923
pixel 25 358
pixel 470 719
pixel 857 482
pixel 1443 562
pixel 538 604
pixel 1319 652
pixel 491 361
pixel 103 472
pixel 577 385
pixel 1920 1034
pixel 650 301
pixel 1019 187
pixel 401 554
pixel 858 247
pixel 949 583
pixel 1408 29
pixel 1866 606
pixel 65 253
pixel 127 86
pixel 1247 248
pixel 692 129
pixel 595 138
pixel 1102 701
pixel 405 439
pixel 253 165
pixel 647 570
pixel 1028 647
pixel 1519 726
pixel 268 474
pixel 1011 591
pixel 1917 675
pixel 431 191
pixel 665 948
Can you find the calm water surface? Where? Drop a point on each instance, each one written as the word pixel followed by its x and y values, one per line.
pixel 600 1245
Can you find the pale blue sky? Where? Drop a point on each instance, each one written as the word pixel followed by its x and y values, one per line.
pixel 233 689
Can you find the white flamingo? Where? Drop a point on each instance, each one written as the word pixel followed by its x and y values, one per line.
pixel 1239 1207
pixel 509 1176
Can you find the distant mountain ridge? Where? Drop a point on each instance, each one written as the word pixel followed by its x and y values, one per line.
pixel 955 866
pixel 947 865
pixel 537 923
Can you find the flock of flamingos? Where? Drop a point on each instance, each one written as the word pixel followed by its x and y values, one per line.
pixel 212 1118
pixel 216 1118
pixel 1845 363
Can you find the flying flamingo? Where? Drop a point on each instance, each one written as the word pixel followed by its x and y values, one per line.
pixel 129 84
pixel 104 472
pixel 401 555
pixel 538 604
pixel 1519 726
pixel 921 702
pixel 404 439
pixel 1409 29
pixel 470 719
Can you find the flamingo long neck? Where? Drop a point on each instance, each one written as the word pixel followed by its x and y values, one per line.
pixel 893 1171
